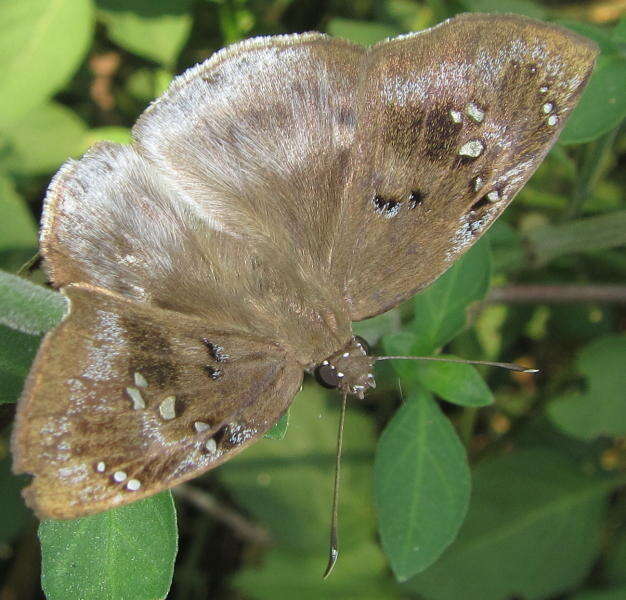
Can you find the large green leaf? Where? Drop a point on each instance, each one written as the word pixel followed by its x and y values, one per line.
pixel 18 232
pixel 599 35
pixel 42 42
pixel 358 575
pixel 28 307
pixel 457 383
pixel 440 308
pixel 17 351
pixel 279 430
pixel 125 553
pixel 612 594
pixel 287 487
pixel 521 7
pixel 361 32
pixel 422 485
pixel 603 103
pixel 118 135
pixel 601 410
pixel 154 30
pixel 533 530
pixel 43 139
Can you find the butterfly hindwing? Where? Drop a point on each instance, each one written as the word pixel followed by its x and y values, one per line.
pixel 125 400
pixel 451 122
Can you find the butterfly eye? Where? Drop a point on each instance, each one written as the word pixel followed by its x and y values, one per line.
pixel 326 375
pixel 363 342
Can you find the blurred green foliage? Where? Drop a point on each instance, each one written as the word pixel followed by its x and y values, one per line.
pixel 547 455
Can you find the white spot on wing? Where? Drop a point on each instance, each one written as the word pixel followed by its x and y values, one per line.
pixel 210 445
pixel 547 108
pixel 553 120
pixel 473 149
pixel 475 112
pixel 200 426
pixel 140 380
pixel 136 397
pixel 119 476
pixel 133 485
pixel 167 408
pixel 101 467
pixel 457 117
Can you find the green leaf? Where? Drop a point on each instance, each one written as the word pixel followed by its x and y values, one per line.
pixel 422 485
pixel 14 514
pixel 599 35
pixel 126 553
pixel 365 33
pixel 118 135
pixel 360 574
pixel 18 232
pixel 42 42
pixel 603 103
pixel 287 488
pixel 371 330
pixel 280 429
pixel 440 308
pixel 612 594
pixel 533 530
pixel 457 383
pixel 43 139
pixel 154 30
pixel 27 307
pixel 520 7
pixel 615 562
pixel 619 32
pixel 601 410
pixel 17 352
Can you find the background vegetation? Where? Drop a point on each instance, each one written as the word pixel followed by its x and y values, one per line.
pixel 545 518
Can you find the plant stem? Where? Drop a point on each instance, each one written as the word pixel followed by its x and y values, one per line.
pixel 204 501
pixel 549 294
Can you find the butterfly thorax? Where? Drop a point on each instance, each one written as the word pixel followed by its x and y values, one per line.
pixel 349 369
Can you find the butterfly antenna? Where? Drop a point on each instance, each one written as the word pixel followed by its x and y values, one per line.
pixel 334 549
pixel 488 363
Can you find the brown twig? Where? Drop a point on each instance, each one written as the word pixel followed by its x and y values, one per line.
pixel 207 503
pixel 552 294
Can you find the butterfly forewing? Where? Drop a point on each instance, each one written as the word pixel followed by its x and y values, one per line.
pixel 115 220
pixel 125 400
pixel 261 133
pixel 451 123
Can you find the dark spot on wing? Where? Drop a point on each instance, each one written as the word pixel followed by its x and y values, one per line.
pixel 216 352
pixel 441 135
pixel 479 204
pixel 212 372
pixel 415 199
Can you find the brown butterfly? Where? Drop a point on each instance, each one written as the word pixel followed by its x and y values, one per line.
pixel 274 194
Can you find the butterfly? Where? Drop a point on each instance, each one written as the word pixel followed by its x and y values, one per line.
pixel 274 194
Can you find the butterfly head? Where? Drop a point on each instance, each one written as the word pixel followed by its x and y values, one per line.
pixel 349 369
